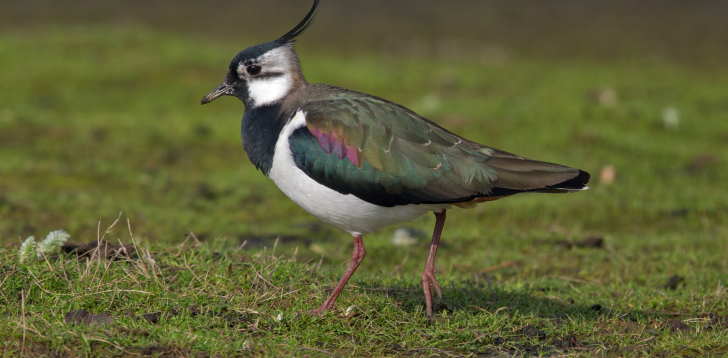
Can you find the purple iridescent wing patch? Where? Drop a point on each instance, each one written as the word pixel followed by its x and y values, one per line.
pixel 331 144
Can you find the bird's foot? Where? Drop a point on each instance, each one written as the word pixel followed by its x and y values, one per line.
pixel 428 282
pixel 429 279
pixel 317 312
pixel 324 307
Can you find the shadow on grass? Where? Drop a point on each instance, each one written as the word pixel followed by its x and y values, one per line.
pixel 551 325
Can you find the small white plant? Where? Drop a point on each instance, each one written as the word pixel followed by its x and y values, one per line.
pixel 27 249
pixel 349 311
pixel 52 241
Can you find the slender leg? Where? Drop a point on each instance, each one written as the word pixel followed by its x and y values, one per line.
pixel 428 275
pixel 356 257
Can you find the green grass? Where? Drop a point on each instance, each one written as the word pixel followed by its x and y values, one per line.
pixel 97 121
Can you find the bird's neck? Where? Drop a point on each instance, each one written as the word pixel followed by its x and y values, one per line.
pixel 262 125
pixel 259 131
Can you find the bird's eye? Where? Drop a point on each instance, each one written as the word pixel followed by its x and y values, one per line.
pixel 253 69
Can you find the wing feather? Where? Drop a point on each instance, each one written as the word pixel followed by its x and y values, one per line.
pixel 386 154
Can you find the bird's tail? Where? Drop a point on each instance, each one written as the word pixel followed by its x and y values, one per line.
pixel 520 175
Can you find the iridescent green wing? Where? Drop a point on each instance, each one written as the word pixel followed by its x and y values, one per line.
pixel 388 155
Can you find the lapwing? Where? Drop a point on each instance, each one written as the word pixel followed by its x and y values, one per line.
pixel 360 162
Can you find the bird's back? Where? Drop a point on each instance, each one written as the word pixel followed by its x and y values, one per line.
pixel 388 155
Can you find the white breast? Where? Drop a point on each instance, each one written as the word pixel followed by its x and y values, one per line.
pixel 346 212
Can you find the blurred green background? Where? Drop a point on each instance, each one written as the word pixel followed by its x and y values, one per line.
pixel 100 114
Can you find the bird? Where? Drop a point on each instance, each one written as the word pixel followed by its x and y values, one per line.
pixel 360 162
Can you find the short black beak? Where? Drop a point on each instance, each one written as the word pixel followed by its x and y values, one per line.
pixel 222 90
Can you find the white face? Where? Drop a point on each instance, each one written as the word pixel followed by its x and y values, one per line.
pixel 274 81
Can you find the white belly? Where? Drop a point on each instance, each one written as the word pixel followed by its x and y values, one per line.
pixel 346 212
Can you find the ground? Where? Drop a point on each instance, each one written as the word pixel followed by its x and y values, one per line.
pixel 97 121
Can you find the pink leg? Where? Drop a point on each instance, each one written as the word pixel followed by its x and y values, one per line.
pixel 356 257
pixel 428 275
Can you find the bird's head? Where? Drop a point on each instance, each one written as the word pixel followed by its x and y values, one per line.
pixel 265 74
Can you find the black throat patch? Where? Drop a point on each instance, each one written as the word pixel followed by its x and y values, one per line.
pixel 259 131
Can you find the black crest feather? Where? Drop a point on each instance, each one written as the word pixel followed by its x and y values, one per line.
pixel 292 35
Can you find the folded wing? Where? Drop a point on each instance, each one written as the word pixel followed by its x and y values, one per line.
pixel 387 155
